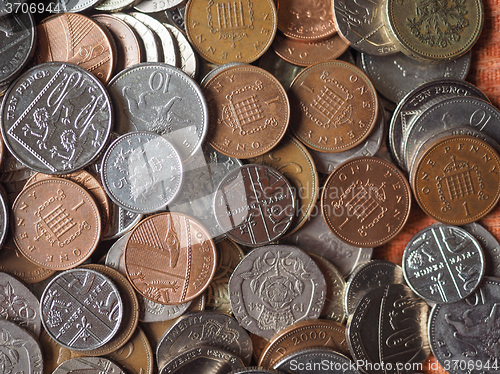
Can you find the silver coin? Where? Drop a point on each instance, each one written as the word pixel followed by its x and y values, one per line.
pixel 88 365
pixel 141 172
pixel 316 361
pixel 20 352
pixel 70 6
pixel 176 16
pixel 216 70
pixel 464 335
pixel 115 5
pixel 275 286
pixel 254 370
pixel 153 6
pixel 395 76
pixel 168 44
pixel 366 277
pixel 4 216
pixel 209 329
pixel 11 164
pixel 151 45
pixel 490 246
pixel 161 98
pixel 189 60
pixel 81 309
pixel 56 118
pixel 120 222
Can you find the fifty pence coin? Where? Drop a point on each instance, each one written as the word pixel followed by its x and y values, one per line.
pixel 489 245
pixel 311 361
pixel 89 365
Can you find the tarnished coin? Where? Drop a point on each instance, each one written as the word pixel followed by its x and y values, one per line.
pixel 254 205
pixel 56 224
pixel 19 305
pixel 209 329
pixel 188 59
pixel 275 286
pixel 135 357
pixel 489 245
pixel 160 98
pixel 153 6
pixel 81 309
pixel 443 264
pixel 151 45
pixel 456 180
pixel 335 106
pixel 56 118
pixel 397 319
pixel 303 335
pixel 316 361
pixel 89 365
pixel 361 23
pixel 170 258
pixel 467 331
pixel 247 119
pixel 224 32
pixel 176 16
pixel 373 203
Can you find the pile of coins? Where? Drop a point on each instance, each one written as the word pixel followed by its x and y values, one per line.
pixel 200 187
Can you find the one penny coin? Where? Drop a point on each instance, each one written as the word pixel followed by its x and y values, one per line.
pixel 335 106
pixel 249 111
pixel 366 201
pixel 170 258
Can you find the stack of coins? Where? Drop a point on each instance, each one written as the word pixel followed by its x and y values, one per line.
pixel 200 187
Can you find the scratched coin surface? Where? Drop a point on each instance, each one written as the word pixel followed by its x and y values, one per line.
pixel 135 357
pixel 149 41
pixel 90 365
pixel 254 205
pixel 56 224
pixel 170 258
pixel 312 359
pixel 56 118
pixel 443 263
pixel 81 309
pixel 275 286
pixel 489 245
pixel 247 118
pixel 366 201
pixel 335 106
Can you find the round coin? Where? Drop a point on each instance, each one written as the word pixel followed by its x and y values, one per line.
pixel 136 357
pixel 151 44
pixel 188 58
pixel 4 216
pixel 312 361
pixel 120 222
pixel 153 6
pixel 70 6
pixel 489 245
pixel 176 17
pixel 89 365
pixel 114 5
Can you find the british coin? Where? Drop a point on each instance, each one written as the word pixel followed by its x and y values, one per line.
pixel 153 6
pixel 4 216
pixel 56 211
pixel 254 205
pixel 151 45
pixel 224 32
pixel 135 357
pixel 90 365
pixel 361 23
pixel 249 119
pixel 56 118
pixel 176 108
pixel 456 181
pixel 120 222
pixel 489 245
pixel 141 172
pixel 454 32
pixel 19 305
pixel 467 331
pixel 188 59
pixel 70 6
pixel 53 353
pixel 115 5
pixel 275 286
pixel 284 71
pixel 366 277
pixel 398 319
pixel 170 258
pixel 303 335
pixel 311 360
pixel 443 264
pixel 335 128
pixel 216 69
pixel 254 370
pixel 81 309
pixel 395 76
pixel 373 204
pixel 209 329
pixel 176 16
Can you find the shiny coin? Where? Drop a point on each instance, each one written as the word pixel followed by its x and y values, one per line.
pixel 443 264
pixel 275 286
pixel 215 69
pixel 170 258
pixel 56 118
pixel 148 39
pixel 135 357
pixel 311 361
pixel 254 205
pixel 56 211
pixel 81 309
pixel 115 5
pixel 120 222
pixel 153 6
pixel 89 365
pixel 188 59
pixel 53 353
pixel 366 201
pixel 456 180
pixel 489 245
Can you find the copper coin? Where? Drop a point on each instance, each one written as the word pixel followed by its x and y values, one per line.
pixel 170 258
pixel 304 334
pixel 231 31
pixel 306 20
pixel 335 106
pixel 136 357
pixel 76 39
pixel 456 180
pixel 249 111
pixel 306 54
pixel 56 224
pixel 366 201
pixel 54 354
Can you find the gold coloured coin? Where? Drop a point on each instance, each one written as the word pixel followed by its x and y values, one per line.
pixel 136 357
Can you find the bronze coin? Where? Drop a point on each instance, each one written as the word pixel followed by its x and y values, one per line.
pixel 335 106
pixel 366 201
pixel 249 111
pixel 170 258
pixel 56 224
pixel 456 180
pixel 136 357
pixel 77 39
pixel 54 354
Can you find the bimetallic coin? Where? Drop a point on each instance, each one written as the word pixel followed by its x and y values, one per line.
pixel 489 245
pixel 135 357
pixel 151 45
pixel 81 309
pixel 443 264
pixel 56 118
pixel 275 286
pixel 89 365
pixel 153 6
pixel 188 59
pixel 313 361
